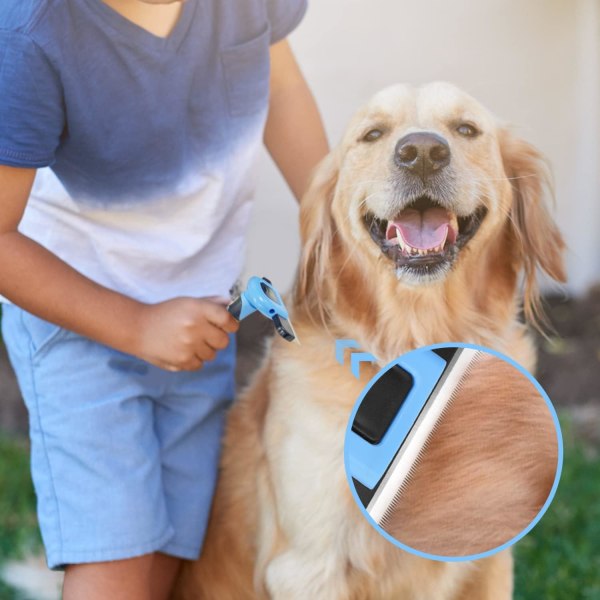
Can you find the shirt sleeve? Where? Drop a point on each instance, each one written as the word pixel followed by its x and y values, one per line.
pixel 32 116
pixel 284 16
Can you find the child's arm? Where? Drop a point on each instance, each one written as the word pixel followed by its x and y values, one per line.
pixel 177 334
pixel 294 134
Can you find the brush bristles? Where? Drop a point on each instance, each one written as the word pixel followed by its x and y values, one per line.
pixel 385 520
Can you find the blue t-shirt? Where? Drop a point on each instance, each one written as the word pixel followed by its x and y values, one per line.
pixel 149 141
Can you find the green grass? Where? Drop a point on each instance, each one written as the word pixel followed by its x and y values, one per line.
pixel 8 593
pixel 558 560
pixel 18 524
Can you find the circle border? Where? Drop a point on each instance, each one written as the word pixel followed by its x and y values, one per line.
pixel 543 509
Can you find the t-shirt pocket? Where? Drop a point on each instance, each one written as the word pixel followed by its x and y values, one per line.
pixel 246 70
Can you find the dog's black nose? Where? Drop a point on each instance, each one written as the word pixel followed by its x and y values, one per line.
pixel 422 152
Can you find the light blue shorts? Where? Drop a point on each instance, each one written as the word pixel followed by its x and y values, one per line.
pixel 123 454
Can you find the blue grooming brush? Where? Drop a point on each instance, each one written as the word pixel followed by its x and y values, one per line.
pixel 394 422
pixel 261 296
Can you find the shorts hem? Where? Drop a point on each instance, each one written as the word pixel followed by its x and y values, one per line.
pixel 57 561
pixel 181 551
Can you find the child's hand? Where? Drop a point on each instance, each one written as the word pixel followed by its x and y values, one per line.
pixel 181 334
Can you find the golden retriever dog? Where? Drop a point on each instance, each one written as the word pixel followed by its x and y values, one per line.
pixel 415 230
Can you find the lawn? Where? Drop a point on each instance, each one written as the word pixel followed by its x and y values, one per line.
pixel 558 560
pixel 18 524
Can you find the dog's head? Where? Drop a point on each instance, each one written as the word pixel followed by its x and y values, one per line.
pixel 427 189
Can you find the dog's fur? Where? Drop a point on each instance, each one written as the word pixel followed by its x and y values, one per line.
pixel 284 524
pixel 488 468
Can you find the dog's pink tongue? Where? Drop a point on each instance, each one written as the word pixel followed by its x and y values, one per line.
pixel 424 230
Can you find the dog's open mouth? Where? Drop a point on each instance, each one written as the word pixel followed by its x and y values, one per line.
pixel 424 236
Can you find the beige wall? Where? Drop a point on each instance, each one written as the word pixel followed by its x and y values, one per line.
pixel 535 63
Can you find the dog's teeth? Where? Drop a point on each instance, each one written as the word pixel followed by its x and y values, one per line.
pixel 400 240
pixel 404 247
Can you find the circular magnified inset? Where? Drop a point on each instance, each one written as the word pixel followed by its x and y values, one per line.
pixel 453 452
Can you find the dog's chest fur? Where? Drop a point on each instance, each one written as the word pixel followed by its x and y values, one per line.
pixel 328 548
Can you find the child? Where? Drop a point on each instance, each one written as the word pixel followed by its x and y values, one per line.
pixel 143 118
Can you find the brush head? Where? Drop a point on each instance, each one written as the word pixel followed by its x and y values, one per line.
pixel 389 492
pixel 261 296
pixel 284 328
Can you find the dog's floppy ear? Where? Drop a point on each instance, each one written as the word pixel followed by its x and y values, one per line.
pixel 539 241
pixel 317 231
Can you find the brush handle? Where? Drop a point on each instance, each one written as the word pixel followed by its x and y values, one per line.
pixel 368 459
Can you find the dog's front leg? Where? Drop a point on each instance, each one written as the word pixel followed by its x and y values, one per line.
pixel 309 507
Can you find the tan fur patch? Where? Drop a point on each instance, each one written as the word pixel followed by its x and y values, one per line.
pixel 487 470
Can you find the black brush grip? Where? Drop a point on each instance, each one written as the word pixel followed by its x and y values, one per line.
pixel 381 404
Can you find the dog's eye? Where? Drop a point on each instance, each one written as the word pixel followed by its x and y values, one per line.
pixel 467 130
pixel 372 135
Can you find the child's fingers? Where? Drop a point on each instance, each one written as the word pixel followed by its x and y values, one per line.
pixel 217 338
pixel 230 325
pixel 204 352
pixel 219 316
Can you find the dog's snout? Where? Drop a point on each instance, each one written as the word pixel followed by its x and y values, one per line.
pixel 422 153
